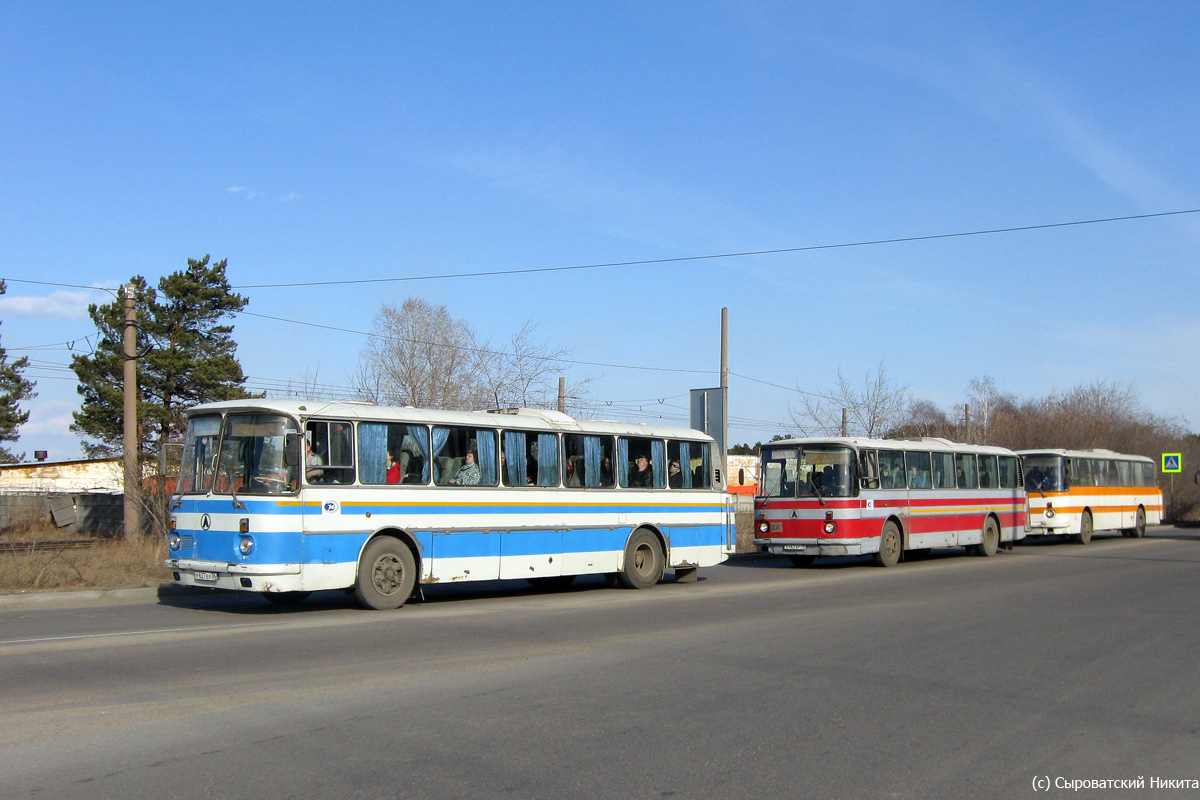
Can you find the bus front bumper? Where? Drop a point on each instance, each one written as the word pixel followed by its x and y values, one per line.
pixel 234 576
pixel 810 547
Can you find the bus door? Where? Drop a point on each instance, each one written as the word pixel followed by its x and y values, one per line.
pixel 893 482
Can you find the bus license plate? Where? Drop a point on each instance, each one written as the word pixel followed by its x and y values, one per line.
pixel 206 576
pixel 796 548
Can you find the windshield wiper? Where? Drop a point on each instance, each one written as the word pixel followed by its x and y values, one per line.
pixel 817 491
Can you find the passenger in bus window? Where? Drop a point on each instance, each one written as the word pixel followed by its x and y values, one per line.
pixel 393 469
pixel 468 474
pixel 606 473
pixel 314 462
pixel 642 474
pixel 674 475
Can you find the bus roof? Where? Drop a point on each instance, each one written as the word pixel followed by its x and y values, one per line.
pixel 527 418
pixel 1093 453
pixel 914 443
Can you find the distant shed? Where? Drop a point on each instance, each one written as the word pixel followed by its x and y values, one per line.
pixel 87 494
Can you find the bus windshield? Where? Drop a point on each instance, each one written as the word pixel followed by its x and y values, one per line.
pixel 199 452
pixel 251 459
pixel 1044 474
pixel 809 471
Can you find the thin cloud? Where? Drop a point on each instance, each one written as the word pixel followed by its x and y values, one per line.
pixel 59 305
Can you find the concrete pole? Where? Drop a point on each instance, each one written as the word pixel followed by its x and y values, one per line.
pixel 133 477
pixel 725 393
pixel 967 415
pixel 845 422
pixel 562 394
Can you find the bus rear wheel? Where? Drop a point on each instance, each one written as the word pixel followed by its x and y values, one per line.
pixel 387 573
pixel 1085 529
pixel 991 541
pixel 644 562
pixel 890 546
pixel 1139 525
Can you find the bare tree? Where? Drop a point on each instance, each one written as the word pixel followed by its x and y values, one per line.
pixel 420 356
pixel 873 410
pixel 525 374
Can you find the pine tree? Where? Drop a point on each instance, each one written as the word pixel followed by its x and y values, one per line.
pixel 13 389
pixel 191 358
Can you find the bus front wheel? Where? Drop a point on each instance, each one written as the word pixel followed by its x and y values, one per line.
pixel 890 546
pixel 644 562
pixel 387 573
pixel 1085 529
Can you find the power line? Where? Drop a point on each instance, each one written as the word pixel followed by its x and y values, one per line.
pixel 712 256
pixel 472 349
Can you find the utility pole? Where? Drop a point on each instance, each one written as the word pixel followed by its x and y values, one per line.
pixel 725 392
pixel 562 394
pixel 845 423
pixel 967 418
pixel 133 477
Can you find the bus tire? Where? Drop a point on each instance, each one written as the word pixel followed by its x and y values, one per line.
pixel 644 561
pixel 890 546
pixel 802 561
pixel 387 573
pixel 551 582
pixel 1139 525
pixel 990 542
pixel 1085 529
pixel 285 598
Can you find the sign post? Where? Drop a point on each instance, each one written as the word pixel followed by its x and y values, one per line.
pixel 1172 464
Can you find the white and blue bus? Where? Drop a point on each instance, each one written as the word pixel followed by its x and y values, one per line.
pixel 285 498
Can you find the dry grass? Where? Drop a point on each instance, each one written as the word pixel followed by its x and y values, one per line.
pixel 111 564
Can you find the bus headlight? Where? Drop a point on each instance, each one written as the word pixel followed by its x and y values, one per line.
pixel 246 545
pixel 830 526
pixel 173 541
pixel 764 526
pixel 1049 512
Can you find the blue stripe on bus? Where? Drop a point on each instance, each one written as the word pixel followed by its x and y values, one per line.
pixel 333 548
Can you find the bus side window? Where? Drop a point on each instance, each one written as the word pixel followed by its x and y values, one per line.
pixel 868 467
pixel 943 471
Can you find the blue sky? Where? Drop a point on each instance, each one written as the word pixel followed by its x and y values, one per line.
pixel 309 142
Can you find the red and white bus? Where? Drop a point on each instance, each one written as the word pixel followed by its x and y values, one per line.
pixel 857 496
pixel 1076 492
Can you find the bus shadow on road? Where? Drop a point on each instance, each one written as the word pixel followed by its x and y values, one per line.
pixel 434 594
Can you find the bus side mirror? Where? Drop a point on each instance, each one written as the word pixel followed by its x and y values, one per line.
pixel 742 477
pixel 291 450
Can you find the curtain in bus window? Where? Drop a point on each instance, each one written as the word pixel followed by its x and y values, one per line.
pixel 547 470
pixel 440 437
pixel 966 471
pixel 591 460
pixel 685 464
pixel 485 444
pixel 943 471
pixel 1008 472
pixel 416 443
pixel 372 452
pixel 622 465
pixel 514 458
pixel 988 476
pixel 659 462
pixel 701 474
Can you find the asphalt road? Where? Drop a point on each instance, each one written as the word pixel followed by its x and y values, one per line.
pixel 952 677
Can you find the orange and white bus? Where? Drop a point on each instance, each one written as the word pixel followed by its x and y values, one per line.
pixel 885 497
pixel 1078 492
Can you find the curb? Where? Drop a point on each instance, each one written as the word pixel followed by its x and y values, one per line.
pixel 95 596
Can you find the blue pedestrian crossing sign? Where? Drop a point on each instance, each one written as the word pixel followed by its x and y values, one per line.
pixel 1172 462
